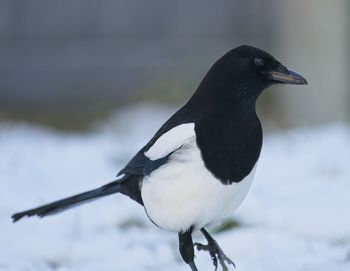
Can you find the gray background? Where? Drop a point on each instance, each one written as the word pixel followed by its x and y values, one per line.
pixel 68 63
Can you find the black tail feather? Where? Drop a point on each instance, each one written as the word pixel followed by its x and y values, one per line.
pixel 70 202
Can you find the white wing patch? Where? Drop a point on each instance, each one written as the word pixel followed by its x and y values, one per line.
pixel 171 140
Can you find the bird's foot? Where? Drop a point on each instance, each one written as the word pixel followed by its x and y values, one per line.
pixel 216 254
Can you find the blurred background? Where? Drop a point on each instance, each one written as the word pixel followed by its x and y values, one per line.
pixel 69 63
pixel 84 84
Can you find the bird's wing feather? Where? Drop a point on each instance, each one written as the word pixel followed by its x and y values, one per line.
pixel 169 138
pixel 170 141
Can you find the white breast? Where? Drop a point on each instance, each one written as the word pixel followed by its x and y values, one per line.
pixel 183 193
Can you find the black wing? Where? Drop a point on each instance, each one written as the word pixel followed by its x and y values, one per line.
pixel 143 166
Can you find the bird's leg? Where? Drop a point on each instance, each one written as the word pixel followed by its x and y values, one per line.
pixel 186 248
pixel 215 251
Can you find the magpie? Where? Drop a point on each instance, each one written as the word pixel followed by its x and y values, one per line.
pixel 198 167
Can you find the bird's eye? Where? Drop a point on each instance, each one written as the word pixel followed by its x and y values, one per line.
pixel 259 62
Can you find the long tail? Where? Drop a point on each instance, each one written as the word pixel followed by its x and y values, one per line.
pixel 67 203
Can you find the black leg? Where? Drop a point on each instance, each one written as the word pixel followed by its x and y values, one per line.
pixel 186 248
pixel 215 251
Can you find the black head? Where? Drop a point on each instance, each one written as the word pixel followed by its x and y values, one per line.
pixel 257 64
pixel 244 72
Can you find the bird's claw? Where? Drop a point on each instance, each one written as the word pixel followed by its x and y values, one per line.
pixel 216 254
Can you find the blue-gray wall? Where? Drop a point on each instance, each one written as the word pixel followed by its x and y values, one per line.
pixel 78 55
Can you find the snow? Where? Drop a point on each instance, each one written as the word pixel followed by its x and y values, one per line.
pixel 296 216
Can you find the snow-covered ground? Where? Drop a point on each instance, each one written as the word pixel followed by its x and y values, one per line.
pixel 296 217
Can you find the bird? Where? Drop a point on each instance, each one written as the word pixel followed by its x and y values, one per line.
pixel 198 167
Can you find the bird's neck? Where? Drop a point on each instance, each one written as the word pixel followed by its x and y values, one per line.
pixel 220 91
pixel 214 100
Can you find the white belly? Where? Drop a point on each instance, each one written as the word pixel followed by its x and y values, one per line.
pixel 183 193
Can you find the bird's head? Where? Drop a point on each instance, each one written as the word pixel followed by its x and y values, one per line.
pixel 252 62
pixel 244 72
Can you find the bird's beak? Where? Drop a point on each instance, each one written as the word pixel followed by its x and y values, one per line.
pixel 283 75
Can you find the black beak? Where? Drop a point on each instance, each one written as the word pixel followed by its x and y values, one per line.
pixel 283 75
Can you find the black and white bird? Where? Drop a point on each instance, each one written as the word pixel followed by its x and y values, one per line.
pixel 198 167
